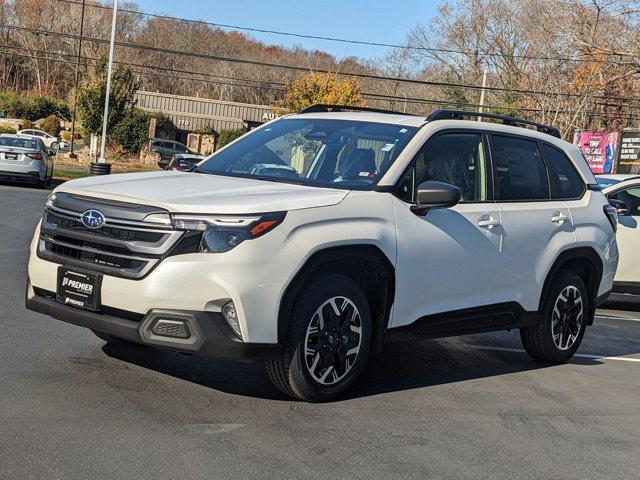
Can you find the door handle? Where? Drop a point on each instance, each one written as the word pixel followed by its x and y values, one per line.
pixel 559 218
pixel 489 223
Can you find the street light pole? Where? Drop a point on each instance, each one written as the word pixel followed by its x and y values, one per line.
pixel 102 167
pixel 484 85
pixel 75 90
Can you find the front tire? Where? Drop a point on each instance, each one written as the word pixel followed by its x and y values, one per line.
pixel 327 343
pixel 557 337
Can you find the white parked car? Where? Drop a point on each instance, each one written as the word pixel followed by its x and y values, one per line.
pixel 395 228
pixel 50 141
pixel 625 191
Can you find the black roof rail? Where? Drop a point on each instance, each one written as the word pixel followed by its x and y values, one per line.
pixel 325 108
pixel 506 120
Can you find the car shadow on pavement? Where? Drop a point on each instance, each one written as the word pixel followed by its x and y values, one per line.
pixel 399 367
pixel 245 378
pixel 5 182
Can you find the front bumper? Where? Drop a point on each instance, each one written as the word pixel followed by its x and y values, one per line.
pixel 209 334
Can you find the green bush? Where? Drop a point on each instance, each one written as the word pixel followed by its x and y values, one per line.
pixel 5 129
pixel 51 125
pixel 32 107
pixel 28 125
pixel 228 136
pixel 132 132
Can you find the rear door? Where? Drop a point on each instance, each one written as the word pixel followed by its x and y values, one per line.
pixel 535 227
pixel 447 259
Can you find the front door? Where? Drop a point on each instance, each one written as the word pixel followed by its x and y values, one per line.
pixel 628 237
pixel 447 259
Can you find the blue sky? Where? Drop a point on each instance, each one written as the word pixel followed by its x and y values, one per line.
pixel 385 21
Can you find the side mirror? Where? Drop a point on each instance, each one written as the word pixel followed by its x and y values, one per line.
pixel 620 206
pixel 434 194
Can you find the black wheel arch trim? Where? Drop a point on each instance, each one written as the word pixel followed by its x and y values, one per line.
pixel 351 260
pixel 565 260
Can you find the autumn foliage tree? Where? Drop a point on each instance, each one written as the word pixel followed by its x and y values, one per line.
pixel 326 88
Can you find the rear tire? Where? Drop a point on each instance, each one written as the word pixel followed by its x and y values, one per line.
pixel 327 342
pixel 558 334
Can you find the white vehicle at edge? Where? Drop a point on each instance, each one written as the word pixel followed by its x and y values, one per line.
pixel 625 190
pixel 396 228
pixel 49 140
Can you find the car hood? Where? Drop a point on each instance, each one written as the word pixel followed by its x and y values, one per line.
pixel 203 193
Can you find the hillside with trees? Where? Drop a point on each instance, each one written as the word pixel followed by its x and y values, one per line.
pixel 572 63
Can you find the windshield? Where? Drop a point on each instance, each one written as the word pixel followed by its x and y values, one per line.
pixel 17 142
pixel 606 182
pixel 331 153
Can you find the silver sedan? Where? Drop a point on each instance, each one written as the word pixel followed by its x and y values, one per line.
pixel 24 157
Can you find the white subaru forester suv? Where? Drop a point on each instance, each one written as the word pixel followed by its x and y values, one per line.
pixel 318 237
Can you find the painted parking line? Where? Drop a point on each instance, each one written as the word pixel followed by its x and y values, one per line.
pixel 580 355
pixel 624 319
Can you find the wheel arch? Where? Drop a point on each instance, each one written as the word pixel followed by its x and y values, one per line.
pixel 366 264
pixel 584 261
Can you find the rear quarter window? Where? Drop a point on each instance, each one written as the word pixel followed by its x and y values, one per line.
pixel 565 180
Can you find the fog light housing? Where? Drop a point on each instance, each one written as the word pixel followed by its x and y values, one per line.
pixel 170 328
pixel 230 314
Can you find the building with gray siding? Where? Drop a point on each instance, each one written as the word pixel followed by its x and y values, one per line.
pixel 191 114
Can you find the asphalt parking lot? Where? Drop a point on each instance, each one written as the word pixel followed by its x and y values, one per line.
pixel 475 407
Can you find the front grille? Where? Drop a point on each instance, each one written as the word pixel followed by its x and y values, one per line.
pixel 76 253
pixel 111 232
pixel 121 247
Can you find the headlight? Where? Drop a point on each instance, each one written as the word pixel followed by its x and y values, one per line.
pixel 221 233
pixel 50 200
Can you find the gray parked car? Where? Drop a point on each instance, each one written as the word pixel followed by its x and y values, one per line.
pixel 24 157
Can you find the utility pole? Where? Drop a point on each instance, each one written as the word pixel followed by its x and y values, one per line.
pixel 101 167
pixel 484 85
pixel 75 90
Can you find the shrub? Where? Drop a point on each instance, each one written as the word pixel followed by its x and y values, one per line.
pixel 132 132
pixel 32 107
pixel 228 136
pixel 5 129
pixel 51 125
pixel 28 125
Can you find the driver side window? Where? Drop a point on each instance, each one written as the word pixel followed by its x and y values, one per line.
pixel 455 158
pixel 631 197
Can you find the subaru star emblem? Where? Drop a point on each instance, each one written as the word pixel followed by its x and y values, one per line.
pixel 92 219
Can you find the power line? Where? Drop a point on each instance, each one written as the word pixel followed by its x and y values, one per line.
pixel 304 69
pixel 366 42
pixel 373 96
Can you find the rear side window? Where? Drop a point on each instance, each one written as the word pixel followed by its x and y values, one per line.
pixel 565 181
pixel 519 170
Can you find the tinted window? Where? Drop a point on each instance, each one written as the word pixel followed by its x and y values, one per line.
pixel 630 196
pixel 457 159
pixel 519 170
pixel 565 181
